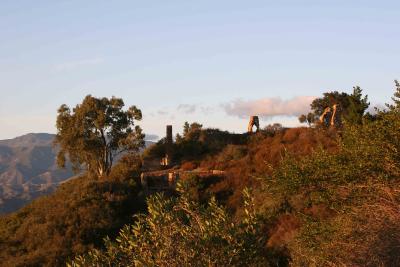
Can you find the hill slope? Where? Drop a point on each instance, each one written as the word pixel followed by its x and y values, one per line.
pixel 73 219
pixel 28 170
pixel 312 188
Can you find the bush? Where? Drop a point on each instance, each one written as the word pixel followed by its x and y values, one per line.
pixel 345 201
pixel 180 232
pixel 232 152
pixel 188 166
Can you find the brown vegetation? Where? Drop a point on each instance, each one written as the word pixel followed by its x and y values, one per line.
pixel 264 152
pixel 303 196
pixel 71 221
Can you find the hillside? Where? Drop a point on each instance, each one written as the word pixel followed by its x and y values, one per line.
pixel 321 196
pixel 76 217
pixel 247 164
pixel 28 170
pixel 79 214
pixel 297 196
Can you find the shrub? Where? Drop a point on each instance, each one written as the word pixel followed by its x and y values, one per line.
pixel 346 201
pixel 180 232
pixel 188 166
pixel 232 152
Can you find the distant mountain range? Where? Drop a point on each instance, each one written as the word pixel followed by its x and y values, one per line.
pixel 28 170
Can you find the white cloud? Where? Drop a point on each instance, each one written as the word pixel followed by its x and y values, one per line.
pixel 186 108
pixel 269 107
pixel 67 66
pixel 162 112
pixel 208 110
pixel 372 108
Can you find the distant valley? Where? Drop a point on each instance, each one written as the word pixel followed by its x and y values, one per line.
pixel 28 170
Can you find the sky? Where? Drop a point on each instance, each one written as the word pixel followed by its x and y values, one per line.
pixel 214 62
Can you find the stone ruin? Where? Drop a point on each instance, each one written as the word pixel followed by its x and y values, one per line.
pixel 254 121
pixel 330 116
pixel 165 180
pixel 167 160
pixel 159 181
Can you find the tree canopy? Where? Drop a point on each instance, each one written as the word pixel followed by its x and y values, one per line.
pixel 95 132
pixel 352 106
pixel 395 97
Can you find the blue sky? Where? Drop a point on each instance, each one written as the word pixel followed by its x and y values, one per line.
pixel 209 61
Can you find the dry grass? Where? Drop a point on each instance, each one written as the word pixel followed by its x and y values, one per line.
pixel 363 234
pixel 246 163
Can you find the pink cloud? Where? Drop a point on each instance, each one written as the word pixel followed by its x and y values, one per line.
pixel 269 107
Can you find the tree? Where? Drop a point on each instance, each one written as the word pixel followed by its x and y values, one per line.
pixel 357 106
pixel 309 118
pixel 273 128
pixel 191 131
pixel 186 128
pixel 395 98
pixel 95 132
pixel 352 107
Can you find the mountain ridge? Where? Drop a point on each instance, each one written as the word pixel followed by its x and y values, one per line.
pixel 28 169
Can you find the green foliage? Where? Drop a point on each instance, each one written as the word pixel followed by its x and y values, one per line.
pixel 345 200
pixel 310 118
pixel 127 169
pixel 231 152
pixel 273 128
pixel 333 205
pixel 156 150
pixel 366 150
pixel 191 131
pixel 357 106
pixel 95 132
pixel 352 107
pixel 195 144
pixel 180 232
pixel 395 98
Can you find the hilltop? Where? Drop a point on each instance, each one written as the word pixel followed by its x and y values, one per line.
pixel 301 197
pixel 310 187
pixel 81 212
pixel 318 195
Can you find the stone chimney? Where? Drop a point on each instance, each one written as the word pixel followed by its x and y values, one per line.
pixel 169 135
pixel 166 161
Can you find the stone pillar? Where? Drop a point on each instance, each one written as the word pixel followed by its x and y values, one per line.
pixel 166 161
pixel 335 119
pixel 169 134
pixel 325 117
pixel 254 121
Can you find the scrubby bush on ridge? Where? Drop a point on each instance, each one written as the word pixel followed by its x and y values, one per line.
pixel 180 232
pixel 346 202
